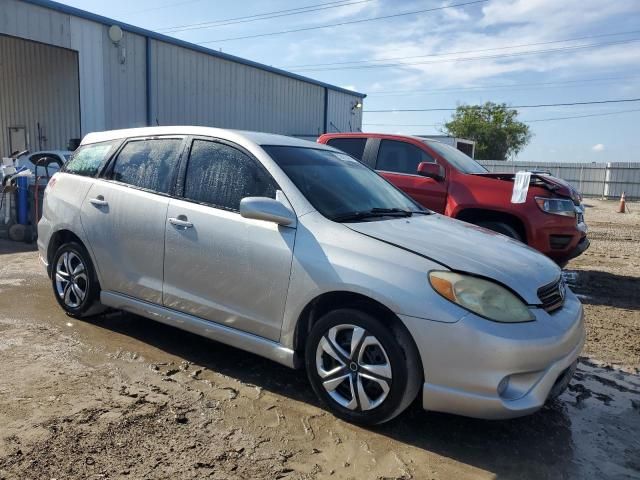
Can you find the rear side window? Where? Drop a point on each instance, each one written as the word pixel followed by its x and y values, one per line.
pixel 352 146
pixel 149 164
pixel 87 159
pixel 400 157
pixel 221 176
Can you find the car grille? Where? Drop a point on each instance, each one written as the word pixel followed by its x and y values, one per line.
pixel 552 295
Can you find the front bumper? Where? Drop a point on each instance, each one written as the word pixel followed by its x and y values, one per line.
pixel 579 249
pixel 467 363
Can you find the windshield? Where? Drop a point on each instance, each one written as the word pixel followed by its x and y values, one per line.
pixel 456 158
pixel 339 186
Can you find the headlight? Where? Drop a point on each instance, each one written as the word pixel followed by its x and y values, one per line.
pixel 557 206
pixel 486 298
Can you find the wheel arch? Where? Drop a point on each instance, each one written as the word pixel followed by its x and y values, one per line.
pixel 62 236
pixel 335 300
pixel 59 238
pixel 475 215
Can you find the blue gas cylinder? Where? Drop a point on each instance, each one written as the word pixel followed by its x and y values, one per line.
pixel 22 205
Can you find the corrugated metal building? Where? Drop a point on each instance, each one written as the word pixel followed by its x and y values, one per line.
pixel 62 76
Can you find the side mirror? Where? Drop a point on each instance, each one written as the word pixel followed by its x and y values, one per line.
pixel 431 170
pixel 267 209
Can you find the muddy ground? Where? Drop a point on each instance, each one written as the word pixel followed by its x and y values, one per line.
pixel 123 397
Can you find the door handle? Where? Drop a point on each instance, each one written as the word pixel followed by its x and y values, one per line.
pixel 99 201
pixel 180 221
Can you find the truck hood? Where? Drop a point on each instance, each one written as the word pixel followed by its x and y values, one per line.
pixel 555 185
pixel 467 248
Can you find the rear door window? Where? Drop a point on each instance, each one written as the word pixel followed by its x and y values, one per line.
pixel 221 175
pixel 352 146
pixel 87 159
pixel 400 157
pixel 148 164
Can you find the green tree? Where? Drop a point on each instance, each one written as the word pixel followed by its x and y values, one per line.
pixel 494 127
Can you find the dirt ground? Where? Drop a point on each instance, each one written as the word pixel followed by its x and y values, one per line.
pixel 122 397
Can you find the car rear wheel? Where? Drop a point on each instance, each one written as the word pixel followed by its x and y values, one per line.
pixel 365 372
pixel 74 281
pixel 503 228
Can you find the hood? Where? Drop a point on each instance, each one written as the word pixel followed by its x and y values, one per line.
pixel 467 248
pixel 556 185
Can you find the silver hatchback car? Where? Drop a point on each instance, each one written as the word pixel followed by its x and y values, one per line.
pixel 297 252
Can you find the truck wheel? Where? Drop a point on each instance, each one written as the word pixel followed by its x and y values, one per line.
pixel 502 228
pixel 74 281
pixel 363 371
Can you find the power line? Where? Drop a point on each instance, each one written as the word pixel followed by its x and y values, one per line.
pixel 542 105
pixel 586 37
pixel 524 121
pixel 175 4
pixel 262 16
pixel 437 91
pixel 581 116
pixel 403 124
pixel 351 22
pixel 245 17
pixel 468 59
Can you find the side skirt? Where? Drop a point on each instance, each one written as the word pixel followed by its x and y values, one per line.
pixel 221 333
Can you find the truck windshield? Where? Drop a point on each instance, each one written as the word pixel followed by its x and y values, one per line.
pixel 456 158
pixel 340 187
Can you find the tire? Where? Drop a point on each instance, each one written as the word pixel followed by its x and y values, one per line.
pixel 388 356
pixel 502 228
pixel 563 381
pixel 74 281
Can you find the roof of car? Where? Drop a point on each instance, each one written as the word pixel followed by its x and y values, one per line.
pixel 259 138
pixel 381 136
pixel 60 153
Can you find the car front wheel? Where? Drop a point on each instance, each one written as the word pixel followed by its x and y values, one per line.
pixel 365 371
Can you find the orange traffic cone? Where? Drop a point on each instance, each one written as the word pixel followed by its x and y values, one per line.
pixel 623 206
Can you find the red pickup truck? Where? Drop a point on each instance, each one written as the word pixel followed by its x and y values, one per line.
pixel 443 179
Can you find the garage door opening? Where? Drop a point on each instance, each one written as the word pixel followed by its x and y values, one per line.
pixel 39 96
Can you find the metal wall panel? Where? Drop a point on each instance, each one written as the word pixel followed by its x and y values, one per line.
pixel 87 39
pixel 190 87
pixel 342 116
pixel 124 81
pixel 38 84
pixel 31 22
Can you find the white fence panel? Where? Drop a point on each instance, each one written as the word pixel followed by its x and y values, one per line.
pixel 606 180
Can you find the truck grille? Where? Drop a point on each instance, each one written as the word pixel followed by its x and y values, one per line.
pixel 552 295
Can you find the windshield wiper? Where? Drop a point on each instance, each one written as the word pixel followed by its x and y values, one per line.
pixel 401 211
pixel 373 213
pixel 405 213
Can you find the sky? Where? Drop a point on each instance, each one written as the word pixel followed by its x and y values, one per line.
pixel 431 54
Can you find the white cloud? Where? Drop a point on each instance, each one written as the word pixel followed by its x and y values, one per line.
pixel 490 31
pixel 350 87
pixel 598 147
pixel 497 25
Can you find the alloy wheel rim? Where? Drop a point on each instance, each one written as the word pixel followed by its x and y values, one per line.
pixel 354 367
pixel 71 279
